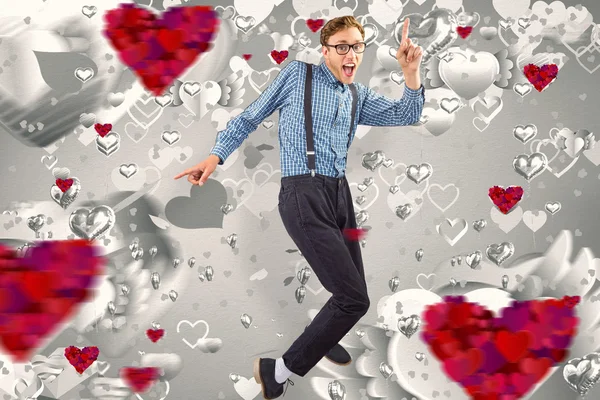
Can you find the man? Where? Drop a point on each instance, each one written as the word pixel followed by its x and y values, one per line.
pixel 315 202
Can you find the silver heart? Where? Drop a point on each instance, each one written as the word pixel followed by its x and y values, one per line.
pixel 553 207
pixel 435 31
pixel 474 259
pixel 361 217
pixel 128 170
pixel 64 199
pixel 479 225
pixel 582 373
pixel 394 283
pixel 404 211
pixel 303 275
pixel 35 223
pixel 337 391
pixel 92 224
pixel 109 143
pixel 530 166
pixel 409 325
pixel 171 137
pixel 525 133
pixel 418 174
pixel 498 253
pixel 373 160
pixel 385 370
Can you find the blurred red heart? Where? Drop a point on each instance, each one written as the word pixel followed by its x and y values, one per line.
pixel 139 379
pixel 159 50
pixel 43 289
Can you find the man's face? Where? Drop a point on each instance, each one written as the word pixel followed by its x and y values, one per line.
pixel 336 62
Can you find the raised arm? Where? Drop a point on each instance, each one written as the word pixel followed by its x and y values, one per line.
pixel 274 97
pixel 380 110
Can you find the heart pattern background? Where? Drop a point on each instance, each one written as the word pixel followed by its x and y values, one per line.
pixel 479 111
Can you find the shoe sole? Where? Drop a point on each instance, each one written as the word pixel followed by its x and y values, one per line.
pixel 257 378
pixel 337 363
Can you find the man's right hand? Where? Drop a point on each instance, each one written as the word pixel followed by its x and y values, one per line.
pixel 200 172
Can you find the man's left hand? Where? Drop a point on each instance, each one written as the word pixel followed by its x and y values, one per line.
pixel 408 55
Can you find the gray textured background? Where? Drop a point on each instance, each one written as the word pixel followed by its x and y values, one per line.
pixel 250 278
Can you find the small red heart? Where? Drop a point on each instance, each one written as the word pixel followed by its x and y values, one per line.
pixel 155 334
pixel 279 56
pixel 464 31
pixel 315 24
pixel 355 234
pixel 81 359
pixel 505 199
pixel 247 56
pixel 103 130
pixel 139 379
pixel 540 77
pixel 64 184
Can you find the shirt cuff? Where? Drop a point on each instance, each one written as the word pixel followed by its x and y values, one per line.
pixel 219 152
pixel 414 94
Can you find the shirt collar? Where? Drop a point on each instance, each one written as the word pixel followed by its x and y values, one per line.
pixel 329 77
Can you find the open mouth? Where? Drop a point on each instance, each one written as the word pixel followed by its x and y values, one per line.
pixel 349 69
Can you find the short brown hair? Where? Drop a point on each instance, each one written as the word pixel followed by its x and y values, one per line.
pixel 335 25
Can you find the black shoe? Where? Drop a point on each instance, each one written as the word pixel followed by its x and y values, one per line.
pixel 264 373
pixel 338 355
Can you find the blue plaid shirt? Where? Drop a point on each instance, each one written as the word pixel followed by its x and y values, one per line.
pixel 331 109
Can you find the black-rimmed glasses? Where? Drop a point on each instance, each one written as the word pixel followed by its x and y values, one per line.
pixel 343 48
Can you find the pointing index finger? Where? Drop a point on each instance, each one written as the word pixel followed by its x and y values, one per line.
pixel 405 30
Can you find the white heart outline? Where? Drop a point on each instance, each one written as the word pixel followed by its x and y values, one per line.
pixel 393 167
pixel 258 171
pixel 453 222
pixel 192 325
pixel 488 119
pixel 24 382
pixel 226 8
pixel 426 277
pixel 236 185
pixel 362 20
pixel 254 85
pixel 167 384
pixel 360 206
pixel 443 189
pixel 557 174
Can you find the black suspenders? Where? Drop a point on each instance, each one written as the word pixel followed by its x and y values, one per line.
pixel 310 145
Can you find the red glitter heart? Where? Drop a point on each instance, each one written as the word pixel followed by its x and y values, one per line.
pixel 279 56
pixel 499 357
pixel 81 359
pixel 64 184
pixel 464 31
pixel 159 50
pixel 43 289
pixel 247 56
pixel 540 77
pixel 103 130
pixel 315 24
pixel 505 199
pixel 155 334
pixel 139 379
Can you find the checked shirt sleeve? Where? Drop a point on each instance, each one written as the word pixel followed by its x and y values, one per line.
pixel 274 97
pixel 379 110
